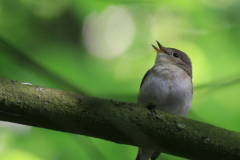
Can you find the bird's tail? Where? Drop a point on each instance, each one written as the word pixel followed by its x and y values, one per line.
pixel 146 154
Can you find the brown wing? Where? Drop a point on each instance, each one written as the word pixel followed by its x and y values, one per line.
pixel 146 74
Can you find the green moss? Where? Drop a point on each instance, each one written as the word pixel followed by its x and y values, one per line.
pixel 116 121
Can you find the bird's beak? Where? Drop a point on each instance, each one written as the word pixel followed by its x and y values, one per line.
pixel 161 48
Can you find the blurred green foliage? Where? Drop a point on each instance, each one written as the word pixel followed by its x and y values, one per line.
pixel 103 49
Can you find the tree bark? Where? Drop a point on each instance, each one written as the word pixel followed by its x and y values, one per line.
pixel 120 122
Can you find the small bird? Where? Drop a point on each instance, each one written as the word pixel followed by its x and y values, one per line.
pixel 169 84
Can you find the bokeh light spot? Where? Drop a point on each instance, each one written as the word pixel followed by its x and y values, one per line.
pixel 109 34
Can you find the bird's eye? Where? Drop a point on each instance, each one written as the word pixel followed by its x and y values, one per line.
pixel 176 55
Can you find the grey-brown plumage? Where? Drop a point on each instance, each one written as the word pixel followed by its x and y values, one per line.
pixel 169 84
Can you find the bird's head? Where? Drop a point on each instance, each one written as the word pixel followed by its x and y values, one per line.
pixel 173 56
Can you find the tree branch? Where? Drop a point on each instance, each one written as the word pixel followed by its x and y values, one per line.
pixel 120 122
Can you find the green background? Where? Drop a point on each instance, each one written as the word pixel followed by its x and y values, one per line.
pixel 103 49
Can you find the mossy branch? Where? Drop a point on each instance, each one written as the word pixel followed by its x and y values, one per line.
pixel 119 122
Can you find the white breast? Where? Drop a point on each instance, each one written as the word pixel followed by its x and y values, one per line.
pixel 170 87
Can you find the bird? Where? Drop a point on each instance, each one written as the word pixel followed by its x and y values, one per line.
pixel 169 84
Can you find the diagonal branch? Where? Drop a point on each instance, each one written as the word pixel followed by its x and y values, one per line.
pixel 21 59
pixel 120 122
